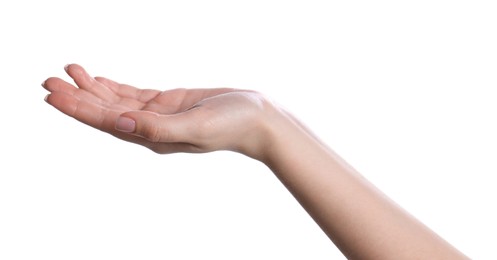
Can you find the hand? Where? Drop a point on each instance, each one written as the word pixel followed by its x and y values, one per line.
pixel 344 204
pixel 178 120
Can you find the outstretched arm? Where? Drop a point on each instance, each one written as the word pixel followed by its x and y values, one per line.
pixel 356 216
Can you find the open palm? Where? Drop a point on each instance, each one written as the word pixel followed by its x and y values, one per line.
pixel 178 120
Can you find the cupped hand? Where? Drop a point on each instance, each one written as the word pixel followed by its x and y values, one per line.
pixel 178 120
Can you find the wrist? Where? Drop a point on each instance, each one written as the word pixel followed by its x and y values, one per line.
pixel 263 130
pixel 280 132
pixel 273 134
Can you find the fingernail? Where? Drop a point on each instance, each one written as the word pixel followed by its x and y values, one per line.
pixel 46 98
pixel 66 67
pixel 43 83
pixel 125 124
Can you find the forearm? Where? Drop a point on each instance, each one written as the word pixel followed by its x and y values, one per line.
pixel 356 216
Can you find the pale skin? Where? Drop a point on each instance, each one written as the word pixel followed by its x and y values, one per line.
pixel 361 221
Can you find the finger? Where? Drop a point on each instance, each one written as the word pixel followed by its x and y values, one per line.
pixel 157 128
pixel 128 101
pixel 88 83
pixel 127 91
pixel 112 85
pixel 178 100
pixel 97 117
pixel 90 113
pixel 56 84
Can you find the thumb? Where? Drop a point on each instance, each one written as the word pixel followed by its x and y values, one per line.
pixel 155 127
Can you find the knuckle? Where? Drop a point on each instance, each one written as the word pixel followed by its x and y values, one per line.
pixel 153 134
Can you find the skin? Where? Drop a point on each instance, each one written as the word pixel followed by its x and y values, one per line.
pixel 361 221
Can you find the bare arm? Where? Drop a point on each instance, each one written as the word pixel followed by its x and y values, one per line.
pixel 358 218
pixel 361 221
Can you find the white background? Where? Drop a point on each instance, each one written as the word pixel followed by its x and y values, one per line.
pixel 403 90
